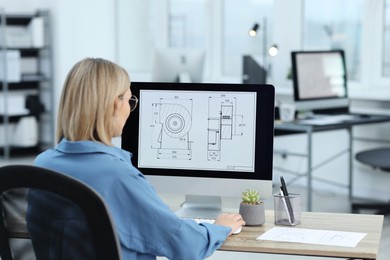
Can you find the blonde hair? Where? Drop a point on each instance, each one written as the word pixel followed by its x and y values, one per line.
pixel 87 101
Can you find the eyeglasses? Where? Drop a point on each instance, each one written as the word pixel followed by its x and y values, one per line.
pixel 133 101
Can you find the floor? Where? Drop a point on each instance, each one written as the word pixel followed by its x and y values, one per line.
pixel 323 201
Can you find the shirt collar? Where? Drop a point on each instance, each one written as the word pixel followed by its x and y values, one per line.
pixel 83 147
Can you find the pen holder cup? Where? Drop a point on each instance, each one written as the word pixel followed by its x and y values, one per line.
pixel 287 209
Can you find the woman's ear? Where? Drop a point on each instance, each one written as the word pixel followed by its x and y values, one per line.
pixel 116 106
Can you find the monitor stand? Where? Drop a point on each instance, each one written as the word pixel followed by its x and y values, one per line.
pixel 184 77
pixel 196 206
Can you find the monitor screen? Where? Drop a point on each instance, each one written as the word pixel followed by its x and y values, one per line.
pixel 319 79
pixel 203 139
pixel 178 65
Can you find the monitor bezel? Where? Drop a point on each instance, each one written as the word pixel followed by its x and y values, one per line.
pixel 264 135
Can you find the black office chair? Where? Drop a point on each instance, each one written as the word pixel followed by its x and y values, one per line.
pixel 96 214
pixel 378 159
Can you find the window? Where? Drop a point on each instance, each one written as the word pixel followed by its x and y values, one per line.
pixel 386 40
pixel 238 18
pixel 144 26
pixel 360 27
pixel 136 33
pixel 188 23
pixel 334 24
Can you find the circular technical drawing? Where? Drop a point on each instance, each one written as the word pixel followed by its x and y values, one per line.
pixel 177 121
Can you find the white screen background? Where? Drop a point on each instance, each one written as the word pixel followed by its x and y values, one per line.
pixel 200 130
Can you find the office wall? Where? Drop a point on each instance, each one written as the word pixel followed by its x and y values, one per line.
pixel 82 29
pixel 79 29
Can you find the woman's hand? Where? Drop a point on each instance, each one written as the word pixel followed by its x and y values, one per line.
pixel 232 220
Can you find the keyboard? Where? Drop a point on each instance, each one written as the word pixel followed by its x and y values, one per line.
pixel 329 119
pixel 211 221
pixel 203 220
pixel 343 117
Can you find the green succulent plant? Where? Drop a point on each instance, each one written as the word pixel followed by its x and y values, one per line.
pixel 251 196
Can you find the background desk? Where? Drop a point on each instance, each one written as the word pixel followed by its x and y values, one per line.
pixel 297 127
pixel 366 249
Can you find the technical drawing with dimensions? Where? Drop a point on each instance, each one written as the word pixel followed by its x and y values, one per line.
pixel 171 123
pixel 210 130
pixel 223 124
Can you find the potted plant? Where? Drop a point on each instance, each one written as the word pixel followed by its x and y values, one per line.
pixel 252 208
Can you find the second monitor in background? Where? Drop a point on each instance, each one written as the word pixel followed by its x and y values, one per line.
pixel 178 65
pixel 320 81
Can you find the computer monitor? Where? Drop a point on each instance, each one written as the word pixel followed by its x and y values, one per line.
pixel 199 140
pixel 320 80
pixel 252 71
pixel 178 65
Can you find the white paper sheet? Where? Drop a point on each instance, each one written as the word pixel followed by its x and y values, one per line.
pixel 313 236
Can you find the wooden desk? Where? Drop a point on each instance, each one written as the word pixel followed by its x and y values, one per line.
pixel 246 240
pixel 366 249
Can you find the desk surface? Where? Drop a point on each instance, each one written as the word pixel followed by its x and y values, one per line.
pixel 303 125
pixel 246 240
pixel 366 249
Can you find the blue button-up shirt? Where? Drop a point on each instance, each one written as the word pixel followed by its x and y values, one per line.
pixel 145 224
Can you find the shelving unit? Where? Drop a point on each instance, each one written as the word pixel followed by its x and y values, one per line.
pixel 26 83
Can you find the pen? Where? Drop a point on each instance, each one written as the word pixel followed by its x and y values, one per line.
pixel 285 195
pixel 285 205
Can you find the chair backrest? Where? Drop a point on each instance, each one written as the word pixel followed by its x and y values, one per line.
pixel 96 213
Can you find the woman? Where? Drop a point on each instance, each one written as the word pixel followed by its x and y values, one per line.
pixel 95 103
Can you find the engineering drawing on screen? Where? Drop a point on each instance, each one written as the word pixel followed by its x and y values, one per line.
pixel 171 124
pixel 197 130
pixel 223 124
